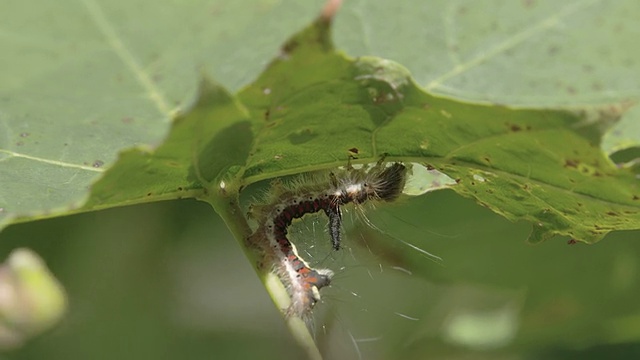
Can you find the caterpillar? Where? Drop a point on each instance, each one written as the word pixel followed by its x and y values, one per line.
pixel 308 195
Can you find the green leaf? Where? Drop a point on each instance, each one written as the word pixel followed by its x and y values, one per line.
pixel 313 105
pixel 522 53
pixel 543 166
pixel 208 141
pixel 528 53
pixel 82 81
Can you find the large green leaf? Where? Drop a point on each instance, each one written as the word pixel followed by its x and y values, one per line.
pixel 189 159
pixel 527 53
pixel 544 166
pixel 313 105
pixel 532 53
pixel 83 80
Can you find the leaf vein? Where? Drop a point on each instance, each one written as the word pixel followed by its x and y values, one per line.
pixel 49 161
pixel 510 42
pixel 118 47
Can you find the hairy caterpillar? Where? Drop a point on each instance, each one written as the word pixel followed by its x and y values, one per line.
pixel 305 195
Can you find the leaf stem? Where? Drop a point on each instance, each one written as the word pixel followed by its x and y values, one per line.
pixel 226 203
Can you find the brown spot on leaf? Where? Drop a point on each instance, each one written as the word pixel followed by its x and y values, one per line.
pixel 571 163
pixel 97 163
pixel 572 242
pixel 290 46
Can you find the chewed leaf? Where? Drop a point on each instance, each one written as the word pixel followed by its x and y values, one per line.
pixel 209 141
pixel 536 165
pixel 311 109
pixel 205 143
pixel 424 179
pixel 543 166
pixel 625 134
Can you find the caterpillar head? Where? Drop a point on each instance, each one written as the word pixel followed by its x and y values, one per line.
pixel 379 183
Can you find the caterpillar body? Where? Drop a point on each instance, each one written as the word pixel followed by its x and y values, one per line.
pixel 308 195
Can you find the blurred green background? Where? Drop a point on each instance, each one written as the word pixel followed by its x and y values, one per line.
pixel 167 281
